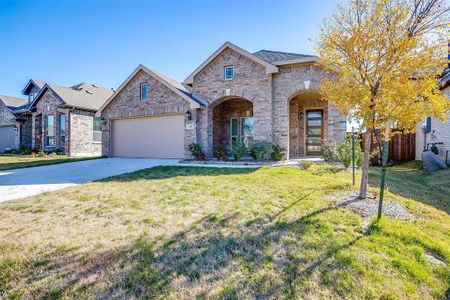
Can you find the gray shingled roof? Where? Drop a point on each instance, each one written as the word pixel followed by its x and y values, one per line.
pixel 13 102
pixel 275 56
pixel 84 95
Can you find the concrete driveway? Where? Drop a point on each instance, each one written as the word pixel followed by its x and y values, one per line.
pixel 21 183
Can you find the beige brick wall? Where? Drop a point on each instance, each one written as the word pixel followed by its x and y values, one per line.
pixel 250 82
pixel 82 134
pixel 161 100
pixel 79 127
pixel 440 132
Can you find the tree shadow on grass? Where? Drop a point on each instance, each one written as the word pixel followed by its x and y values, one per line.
pixel 216 257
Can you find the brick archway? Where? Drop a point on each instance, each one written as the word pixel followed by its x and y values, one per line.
pixel 232 120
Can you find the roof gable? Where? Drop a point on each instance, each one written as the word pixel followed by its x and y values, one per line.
pixel 173 85
pixel 270 68
pixel 37 84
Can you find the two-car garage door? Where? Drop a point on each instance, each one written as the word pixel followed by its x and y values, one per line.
pixel 158 137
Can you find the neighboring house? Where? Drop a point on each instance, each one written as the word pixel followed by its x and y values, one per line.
pixel 233 96
pixel 436 131
pixel 63 119
pixel 10 123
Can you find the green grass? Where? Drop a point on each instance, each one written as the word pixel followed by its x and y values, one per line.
pixel 203 233
pixel 8 162
pixel 409 181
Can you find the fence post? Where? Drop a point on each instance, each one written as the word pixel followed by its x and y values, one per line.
pixel 353 156
pixel 383 176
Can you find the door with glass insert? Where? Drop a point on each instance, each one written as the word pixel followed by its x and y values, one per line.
pixel 314 131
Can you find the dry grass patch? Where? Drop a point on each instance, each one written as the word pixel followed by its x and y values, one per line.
pixel 185 232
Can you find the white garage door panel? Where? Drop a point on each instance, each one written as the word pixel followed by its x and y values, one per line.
pixel 158 137
pixel 7 138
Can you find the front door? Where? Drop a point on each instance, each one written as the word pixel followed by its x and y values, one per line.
pixel 314 131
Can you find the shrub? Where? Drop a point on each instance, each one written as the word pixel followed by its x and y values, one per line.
pixel 278 153
pixel 329 151
pixel 345 152
pixel 41 154
pixel 260 150
pixel 195 150
pixel 220 153
pixel 25 150
pixel 59 151
pixel 238 150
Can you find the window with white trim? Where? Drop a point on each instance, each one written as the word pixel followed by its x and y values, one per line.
pixel 144 96
pixel 229 73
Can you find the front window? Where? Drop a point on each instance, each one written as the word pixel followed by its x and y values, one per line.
pixel 229 73
pixel 143 92
pixel 234 130
pixel 50 130
pixel 247 130
pixel 97 130
pixel 62 130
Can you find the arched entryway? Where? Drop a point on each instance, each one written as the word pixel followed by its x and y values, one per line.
pixel 308 116
pixel 232 121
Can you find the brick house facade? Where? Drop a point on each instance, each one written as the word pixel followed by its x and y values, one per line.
pixel 272 96
pixel 62 119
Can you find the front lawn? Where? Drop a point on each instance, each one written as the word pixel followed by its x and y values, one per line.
pixel 8 162
pixel 201 233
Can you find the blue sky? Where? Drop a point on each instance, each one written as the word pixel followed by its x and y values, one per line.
pixel 68 42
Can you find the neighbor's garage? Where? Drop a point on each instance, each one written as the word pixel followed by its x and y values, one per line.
pixel 7 138
pixel 156 136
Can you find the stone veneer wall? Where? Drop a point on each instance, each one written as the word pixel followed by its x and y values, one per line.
pixel 48 104
pixel 161 100
pixel 81 134
pixel 26 129
pixel 250 82
pixel 441 132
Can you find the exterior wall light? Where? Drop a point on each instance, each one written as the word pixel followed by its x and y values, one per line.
pixel 307 82
pixel 189 115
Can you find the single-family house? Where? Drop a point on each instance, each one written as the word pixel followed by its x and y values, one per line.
pixel 234 95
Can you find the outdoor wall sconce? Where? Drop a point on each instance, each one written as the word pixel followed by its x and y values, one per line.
pixel 300 115
pixel 103 121
pixel 189 115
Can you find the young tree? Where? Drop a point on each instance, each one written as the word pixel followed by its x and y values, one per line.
pixel 384 58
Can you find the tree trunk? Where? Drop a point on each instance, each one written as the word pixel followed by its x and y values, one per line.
pixel 365 168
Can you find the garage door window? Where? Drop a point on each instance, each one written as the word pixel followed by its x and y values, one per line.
pixel 97 130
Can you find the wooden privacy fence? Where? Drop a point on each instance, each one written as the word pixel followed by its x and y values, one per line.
pixel 402 147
